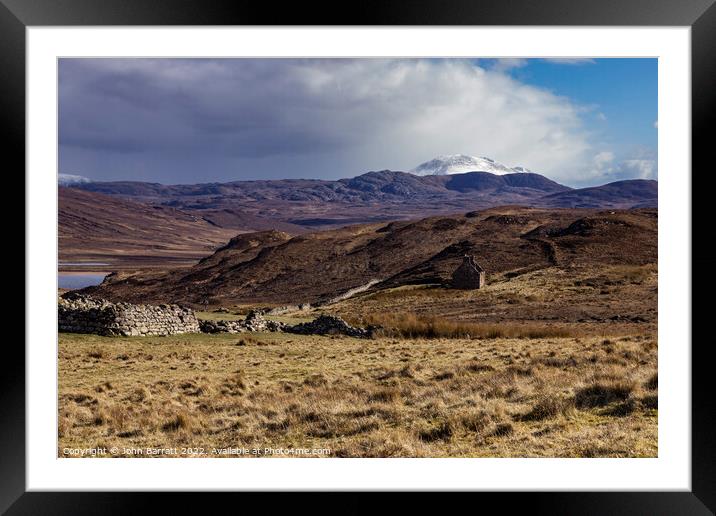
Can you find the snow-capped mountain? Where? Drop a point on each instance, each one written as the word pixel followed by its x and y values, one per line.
pixel 71 179
pixel 461 163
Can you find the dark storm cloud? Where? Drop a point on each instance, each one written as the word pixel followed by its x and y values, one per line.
pixel 170 107
pixel 193 120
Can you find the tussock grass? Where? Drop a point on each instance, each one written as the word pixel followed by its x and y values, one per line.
pixel 651 402
pixel 387 397
pixel 623 408
pixel 411 326
pixel 442 430
pixel 245 341
pixel 181 421
pixel 416 292
pixel 139 394
pixel 96 353
pixel 618 275
pixel 475 421
pixel 581 299
pixel 547 407
pixel 234 385
pixel 501 430
pixel 602 393
pixel 633 273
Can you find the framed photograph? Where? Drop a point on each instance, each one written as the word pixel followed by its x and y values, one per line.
pixel 432 247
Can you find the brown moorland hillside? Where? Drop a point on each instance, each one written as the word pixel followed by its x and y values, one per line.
pixel 99 228
pixel 274 268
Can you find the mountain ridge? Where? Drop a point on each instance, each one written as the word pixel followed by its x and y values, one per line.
pixel 296 205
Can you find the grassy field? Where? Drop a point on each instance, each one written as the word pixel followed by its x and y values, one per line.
pixel 574 301
pixel 585 396
pixel 240 312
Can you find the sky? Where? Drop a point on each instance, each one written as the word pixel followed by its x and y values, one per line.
pixel 581 122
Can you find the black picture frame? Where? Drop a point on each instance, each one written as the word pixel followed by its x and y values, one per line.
pixel 700 15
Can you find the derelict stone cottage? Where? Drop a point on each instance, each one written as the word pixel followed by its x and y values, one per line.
pixel 469 275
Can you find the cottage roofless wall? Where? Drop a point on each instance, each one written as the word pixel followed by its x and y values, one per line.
pixel 469 275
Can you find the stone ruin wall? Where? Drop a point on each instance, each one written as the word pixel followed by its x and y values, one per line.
pixel 468 279
pixel 83 314
pixel 468 275
pixel 88 315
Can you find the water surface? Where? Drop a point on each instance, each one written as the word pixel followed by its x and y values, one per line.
pixel 74 281
pixel 73 264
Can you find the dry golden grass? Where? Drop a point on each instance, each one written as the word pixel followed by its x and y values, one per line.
pixel 218 316
pixel 240 312
pixel 410 326
pixel 388 397
pixel 562 301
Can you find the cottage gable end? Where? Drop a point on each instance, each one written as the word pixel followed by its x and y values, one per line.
pixel 469 275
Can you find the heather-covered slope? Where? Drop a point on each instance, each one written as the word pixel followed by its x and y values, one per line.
pixel 273 267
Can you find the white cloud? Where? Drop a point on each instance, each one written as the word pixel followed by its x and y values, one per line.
pixel 606 167
pixel 508 63
pixel 656 124
pixel 570 60
pixel 603 159
pixel 71 179
pixel 167 119
pixel 639 168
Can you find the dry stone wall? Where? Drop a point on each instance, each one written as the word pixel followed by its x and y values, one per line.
pixel 330 325
pixel 83 314
pixel 254 321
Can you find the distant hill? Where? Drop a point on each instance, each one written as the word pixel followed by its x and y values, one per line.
pixel 620 194
pixel 100 228
pixel 523 183
pixel 385 185
pixel 274 267
pixel 299 205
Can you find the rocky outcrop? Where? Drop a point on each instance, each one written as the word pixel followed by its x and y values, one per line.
pixel 84 314
pixel 329 325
